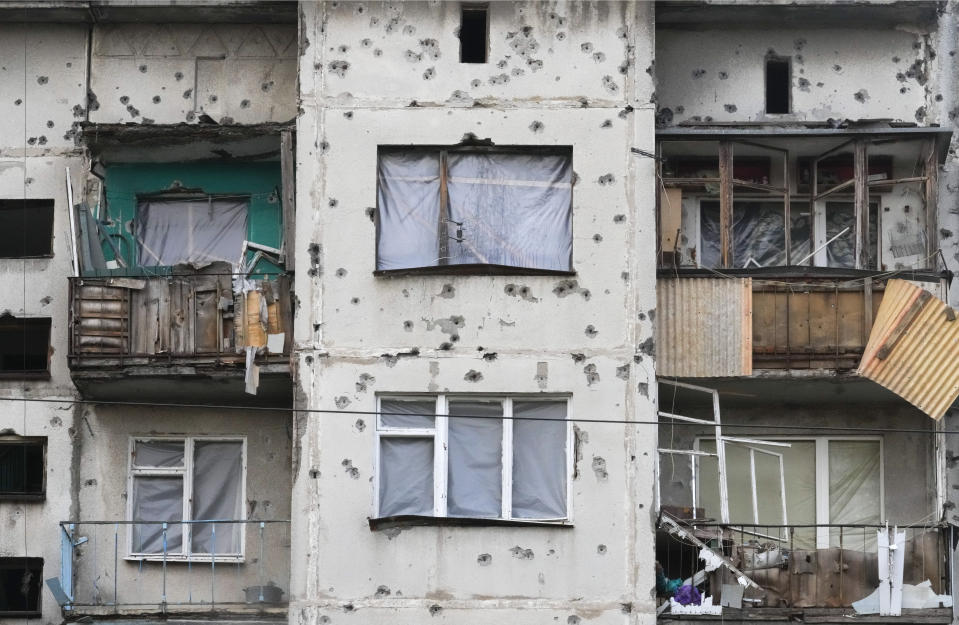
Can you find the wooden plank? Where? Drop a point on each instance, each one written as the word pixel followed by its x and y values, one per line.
pixel 932 205
pixel 670 218
pixel 726 203
pixel 287 172
pixel 822 322
pixel 861 173
pixel 797 308
pixel 851 321
pixel 867 309
pixel 443 227
pixel 764 322
pixel 206 318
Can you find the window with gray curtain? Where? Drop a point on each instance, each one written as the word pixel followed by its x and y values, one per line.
pixel 463 206
pixel 472 457
pixel 193 231
pixel 167 488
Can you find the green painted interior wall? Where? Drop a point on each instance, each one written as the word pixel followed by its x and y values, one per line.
pixel 124 182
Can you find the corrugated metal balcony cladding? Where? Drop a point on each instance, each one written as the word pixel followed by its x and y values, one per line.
pixel 913 349
pixel 704 327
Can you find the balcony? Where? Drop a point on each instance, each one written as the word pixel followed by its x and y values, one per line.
pixel 188 336
pixel 99 579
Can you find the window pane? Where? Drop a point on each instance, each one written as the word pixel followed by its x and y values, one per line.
pixel 197 232
pixel 21 468
pixel 408 198
pixel 758 234
pixel 157 499
pixel 407 413
pixel 539 460
pixel 516 209
pixel 158 453
pixel 24 344
pixel 475 459
pixel 842 251
pixel 406 476
pixel 20 585
pixel 217 494
pixel 853 484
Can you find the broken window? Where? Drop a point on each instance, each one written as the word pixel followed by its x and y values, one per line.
pixel 849 470
pixel 480 458
pixel 470 207
pixel 20 587
pixel 24 346
pixel 22 475
pixel 778 83
pixel 759 238
pixel 183 479
pixel 474 33
pixel 192 231
pixel 26 228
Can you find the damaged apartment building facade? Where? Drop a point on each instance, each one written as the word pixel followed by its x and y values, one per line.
pixel 369 312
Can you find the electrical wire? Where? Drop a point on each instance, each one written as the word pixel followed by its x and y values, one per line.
pixel 801 428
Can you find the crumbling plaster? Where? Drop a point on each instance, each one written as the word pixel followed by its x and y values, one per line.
pixel 386 74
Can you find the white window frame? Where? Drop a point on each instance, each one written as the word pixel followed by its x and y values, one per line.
pixel 186 473
pixel 822 476
pixel 440 435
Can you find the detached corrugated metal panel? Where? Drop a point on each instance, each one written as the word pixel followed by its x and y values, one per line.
pixel 704 327
pixel 913 349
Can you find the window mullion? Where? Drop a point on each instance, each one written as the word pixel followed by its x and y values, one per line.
pixel 441 457
pixel 443 228
pixel 507 485
pixel 187 533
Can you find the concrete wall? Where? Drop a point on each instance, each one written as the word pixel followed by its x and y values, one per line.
pixel 563 74
pixel 41 79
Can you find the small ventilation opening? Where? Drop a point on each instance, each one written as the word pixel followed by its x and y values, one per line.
pixel 24 345
pixel 26 228
pixel 474 34
pixel 20 587
pixel 777 85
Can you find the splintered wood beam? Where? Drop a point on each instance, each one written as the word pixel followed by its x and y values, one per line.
pixel 726 203
pixel 932 218
pixel 861 178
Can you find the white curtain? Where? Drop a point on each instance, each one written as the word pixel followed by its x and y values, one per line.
pixel 516 209
pixel 158 453
pixel 539 460
pixel 191 231
pixel 407 413
pixel 406 476
pixel 475 460
pixel 854 489
pixel 217 494
pixel 408 196
pixel 157 499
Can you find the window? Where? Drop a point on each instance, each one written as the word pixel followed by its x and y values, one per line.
pixel 184 479
pixel 474 33
pixel 20 587
pixel 470 206
pixel 24 346
pixel 777 84
pixel 195 231
pixel 26 228
pixel 841 217
pixel 827 480
pixel 22 475
pixel 479 458
pixel 759 238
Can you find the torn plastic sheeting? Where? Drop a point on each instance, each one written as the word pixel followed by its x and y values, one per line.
pixel 758 234
pixel 706 607
pixel 712 560
pixel 190 231
pixel 914 597
pixel 252 377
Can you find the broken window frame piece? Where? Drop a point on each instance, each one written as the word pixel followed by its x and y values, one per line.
pixel 33 566
pixel 32 488
pixel 439 435
pixel 234 532
pixel 443 228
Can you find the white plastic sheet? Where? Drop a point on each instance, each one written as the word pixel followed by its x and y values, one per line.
pixel 407 413
pixel 158 453
pixel 475 460
pixel 842 251
pixel 217 494
pixel 758 234
pixel 406 476
pixel 408 195
pixel 157 499
pixel 190 231
pixel 539 460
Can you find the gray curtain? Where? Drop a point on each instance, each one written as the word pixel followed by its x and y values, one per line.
pixel 217 494
pixel 157 499
pixel 516 209
pixel 190 231
pixel 158 453
pixel 406 476
pixel 539 460
pixel 406 413
pixel 475 460
pixel 408 196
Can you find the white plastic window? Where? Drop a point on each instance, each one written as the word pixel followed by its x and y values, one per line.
pixel 187 479
pixel 473 457
pixel 472 207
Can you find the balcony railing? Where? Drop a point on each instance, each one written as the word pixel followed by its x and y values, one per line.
pixel 98 576
pixel 804 572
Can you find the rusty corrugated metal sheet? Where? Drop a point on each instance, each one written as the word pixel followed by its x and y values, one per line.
pixel 913 349
pixel 704 327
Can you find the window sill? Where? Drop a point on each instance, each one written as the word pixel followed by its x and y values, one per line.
pixel 27 497
pixel 472 270
pixel 24 375
pixel 416 520
pixel 154 557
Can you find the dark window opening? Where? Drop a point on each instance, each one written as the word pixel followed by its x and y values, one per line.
pixel 474 34
pixel 20 586
pixel 21 468
pixel 24 345
pixel 26 228
pixel 777 85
